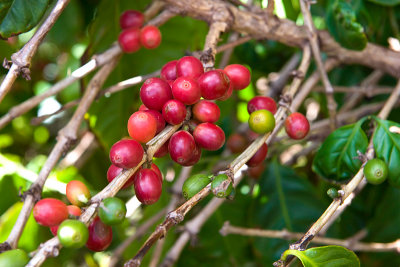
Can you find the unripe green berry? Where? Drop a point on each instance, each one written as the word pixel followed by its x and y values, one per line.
pixel 73 233
pixel 194 184
pixel 375 171
pixel 262 121
pixel 221 186
pixel 332 193
pixel 14 258
pixel 112 211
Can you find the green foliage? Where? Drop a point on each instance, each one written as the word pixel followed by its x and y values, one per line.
pixel 337 157
pixel 386 2
pixel 332 256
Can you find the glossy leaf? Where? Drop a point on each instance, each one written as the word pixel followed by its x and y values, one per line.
pixel 387 147
pixel 332 256
pixel 385 2
pixel 18 16
pixel 336 158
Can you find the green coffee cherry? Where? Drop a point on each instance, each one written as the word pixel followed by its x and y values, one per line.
pixel 222 191
pixel 194 184
pixel 14 258
pixel 112 211
pixel 375 171
pixel 332 193
pixel 261 121
pixel 73 233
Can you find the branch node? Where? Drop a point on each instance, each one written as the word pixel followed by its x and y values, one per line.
pixel 224 229
pixel 7 64
pixel 175 217
pixel 4 247
pixel 35 191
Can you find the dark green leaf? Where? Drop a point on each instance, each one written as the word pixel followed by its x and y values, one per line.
pixel 332 256
pixel 385 2
pixel 20 16
pixel 336 157
pixel 387 147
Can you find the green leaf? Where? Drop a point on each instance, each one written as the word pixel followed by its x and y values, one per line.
pixel 332 256
pixel 343 25
pixel 385 2
pixel 18 16
pixel 336 157
pixel 387 147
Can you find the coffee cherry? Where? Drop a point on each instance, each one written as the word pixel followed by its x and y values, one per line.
pixel 223 191
pixel 157 171
pixel 50 211
pixel 154 93
pixel 72 234
pixel 126 153
pixel 209 136
pixel 14 258
pixel 237 143
pixel 159 119
pixel 143 108
pixel 196 155
pixel 186 90
pixel 162 151
pixel 194 184
pixel 113 171
pixel 148 186
pixel 73 212
pixel 174 112
pixel 142 126
pixel 376 171
pixel 261 121
pixel 239 76
pixel 261 102
pixel 150 36
pixel 258 157
pixel 100 235
pixel 77 193
pixel 213 84
pixel 189 67
pixel 206 111
pixel 112 211
pixel 129 40
pixel 181 146
pixel 256 171
pixel 168 71
pixel 131 19
pixel 227 94
pixel 297 126
pixel 332 193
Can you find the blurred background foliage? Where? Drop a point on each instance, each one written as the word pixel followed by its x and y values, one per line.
pixel 283 198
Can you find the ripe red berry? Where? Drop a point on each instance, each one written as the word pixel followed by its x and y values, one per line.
pixel 142 126
pixel 209 136
pixel 168 71
pixel 131 19
pixel 73 211
pixel 239 76
pixel 143 107
pixel 129 40
pixel 186 90
pixel 206 111
pixel 297 126
pixel 181 146
pixel 237 143
pixel 126 153
pixel 148 186
pixel 157 171
pixel 50 212
pixel 261 102
pixel 174 112
pixel 154 93
pixel 213 84
pixel 150 36
pixel 113 171
pixel 258 157
pixel 162 151
pixel 189 67
pixel 196 155
pixel 228 93
pixel 159 119
pixel 100 235
pixel 77 193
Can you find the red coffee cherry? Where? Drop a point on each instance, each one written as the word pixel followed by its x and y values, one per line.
pixel 157 171
pixel 209 136
pixel 181 146
pixel 228 93
pixel 113 171
pixel 206 111
pixel 77 193
pixel 261 102
pixel 174 112
pixel 131 19
pixel 256 171
pixel 150 37
pixel 129 40
pixel 189 67
pixel 213 84
pixel 50 212
pixel 237 143
pixel 154 93
pixel 159 119
pixel 148 186
pixel 73 211
pixel 258 157
pixel 162 151
pixel 196 155
pixel 239 76
pixel 100 235
pixel 297 126
pixel 186 90
pixel 168 71
pixel 142 126
pixel 126 153
pixel 143 108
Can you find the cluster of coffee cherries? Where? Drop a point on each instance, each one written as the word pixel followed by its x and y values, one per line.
pixel 63 220
pixel 134 36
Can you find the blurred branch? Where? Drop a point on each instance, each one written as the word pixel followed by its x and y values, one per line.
pixel 212 38
pixel 21 60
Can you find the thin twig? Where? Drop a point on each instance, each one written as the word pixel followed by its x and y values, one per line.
pixel 212 38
